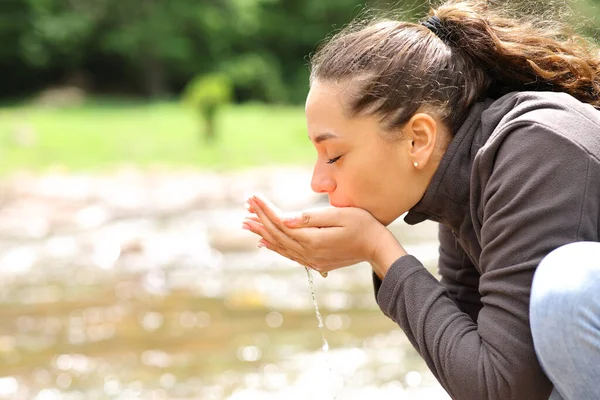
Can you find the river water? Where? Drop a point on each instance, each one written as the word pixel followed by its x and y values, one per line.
pixel 142 285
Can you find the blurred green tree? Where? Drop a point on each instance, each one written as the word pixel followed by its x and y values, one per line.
pixel 256 76
pixel 206 94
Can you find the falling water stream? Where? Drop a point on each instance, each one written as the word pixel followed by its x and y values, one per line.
pixel 311 283
pixel 325 346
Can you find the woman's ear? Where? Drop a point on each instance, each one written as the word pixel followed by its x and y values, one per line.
pixel 422 131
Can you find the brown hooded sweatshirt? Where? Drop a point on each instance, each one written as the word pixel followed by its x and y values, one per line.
pixel 520 178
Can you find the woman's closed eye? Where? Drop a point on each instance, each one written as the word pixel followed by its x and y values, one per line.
pixel 332 160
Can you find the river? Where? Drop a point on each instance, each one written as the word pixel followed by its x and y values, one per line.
pixel 142 285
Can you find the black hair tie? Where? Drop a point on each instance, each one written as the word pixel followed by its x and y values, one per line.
pixel 435 25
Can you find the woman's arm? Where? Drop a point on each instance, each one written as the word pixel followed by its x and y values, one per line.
pixel 457 273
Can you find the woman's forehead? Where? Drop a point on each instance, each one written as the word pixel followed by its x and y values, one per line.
pixel 328 100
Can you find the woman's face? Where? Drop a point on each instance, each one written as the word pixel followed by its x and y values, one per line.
pixel 356 166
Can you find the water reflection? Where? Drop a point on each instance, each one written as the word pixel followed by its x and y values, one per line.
pixel 136 293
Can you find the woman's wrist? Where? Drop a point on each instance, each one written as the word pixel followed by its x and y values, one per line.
pixel 386 251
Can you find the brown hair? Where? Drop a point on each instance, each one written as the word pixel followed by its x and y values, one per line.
pixel 477 52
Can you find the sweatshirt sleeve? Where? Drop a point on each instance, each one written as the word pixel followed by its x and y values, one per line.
pixel 532 202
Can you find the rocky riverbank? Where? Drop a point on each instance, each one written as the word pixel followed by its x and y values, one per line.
pixel 142 284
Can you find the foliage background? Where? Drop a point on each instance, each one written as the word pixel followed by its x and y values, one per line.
pixel 151 48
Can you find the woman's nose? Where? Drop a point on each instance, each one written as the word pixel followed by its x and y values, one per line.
pixel 322 182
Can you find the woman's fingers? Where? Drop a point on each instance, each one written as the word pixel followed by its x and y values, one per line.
pixel 252 217
pixel 282 252
pixel 264 214
pixel 270 217
pixel 259 203
pixel 248 207
pixel 316 264
pixel 261 224
pixel 259 229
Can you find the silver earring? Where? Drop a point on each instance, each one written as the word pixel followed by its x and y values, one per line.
pixel 416 164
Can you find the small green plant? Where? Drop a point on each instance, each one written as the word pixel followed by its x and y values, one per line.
pixel 206 94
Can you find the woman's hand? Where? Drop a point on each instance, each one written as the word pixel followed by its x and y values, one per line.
pixel 324 239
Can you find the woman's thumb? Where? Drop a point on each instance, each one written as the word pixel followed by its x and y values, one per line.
pixel 314 218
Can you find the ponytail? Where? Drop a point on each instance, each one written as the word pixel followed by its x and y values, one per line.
pixel 517 55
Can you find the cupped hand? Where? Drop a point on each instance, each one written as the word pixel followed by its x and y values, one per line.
pixel 322 239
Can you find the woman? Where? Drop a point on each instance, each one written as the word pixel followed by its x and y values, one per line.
pixel 488 126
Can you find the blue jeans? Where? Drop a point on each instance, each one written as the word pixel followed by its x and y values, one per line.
pixel 565 320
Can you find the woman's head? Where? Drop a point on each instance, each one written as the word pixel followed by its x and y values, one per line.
pixel 372 82
pixel 363 164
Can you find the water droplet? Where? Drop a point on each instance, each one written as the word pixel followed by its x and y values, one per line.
pixel 18 260
pixel 8 386
pixel 112 387
pixel 76 335
pixel 64 380
pixel 114 314
pixel 413 378
pixel 156 358
pixel 64 362
pixel 155 281
pixel 167 381
pixel 334 322
pixel 151 321
pixel 135 388
pixel 80 363
pixel 106 253
pixel 274 319
pixel 48 394
pixel 249 353
pixel 188 319
pixel 42 376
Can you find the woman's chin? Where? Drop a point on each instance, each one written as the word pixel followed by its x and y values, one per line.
pixel 382 219
pixel 386 220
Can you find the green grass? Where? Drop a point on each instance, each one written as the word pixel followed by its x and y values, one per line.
pixel 103 136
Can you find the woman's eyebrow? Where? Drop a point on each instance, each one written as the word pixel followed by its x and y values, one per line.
pixel 324 136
